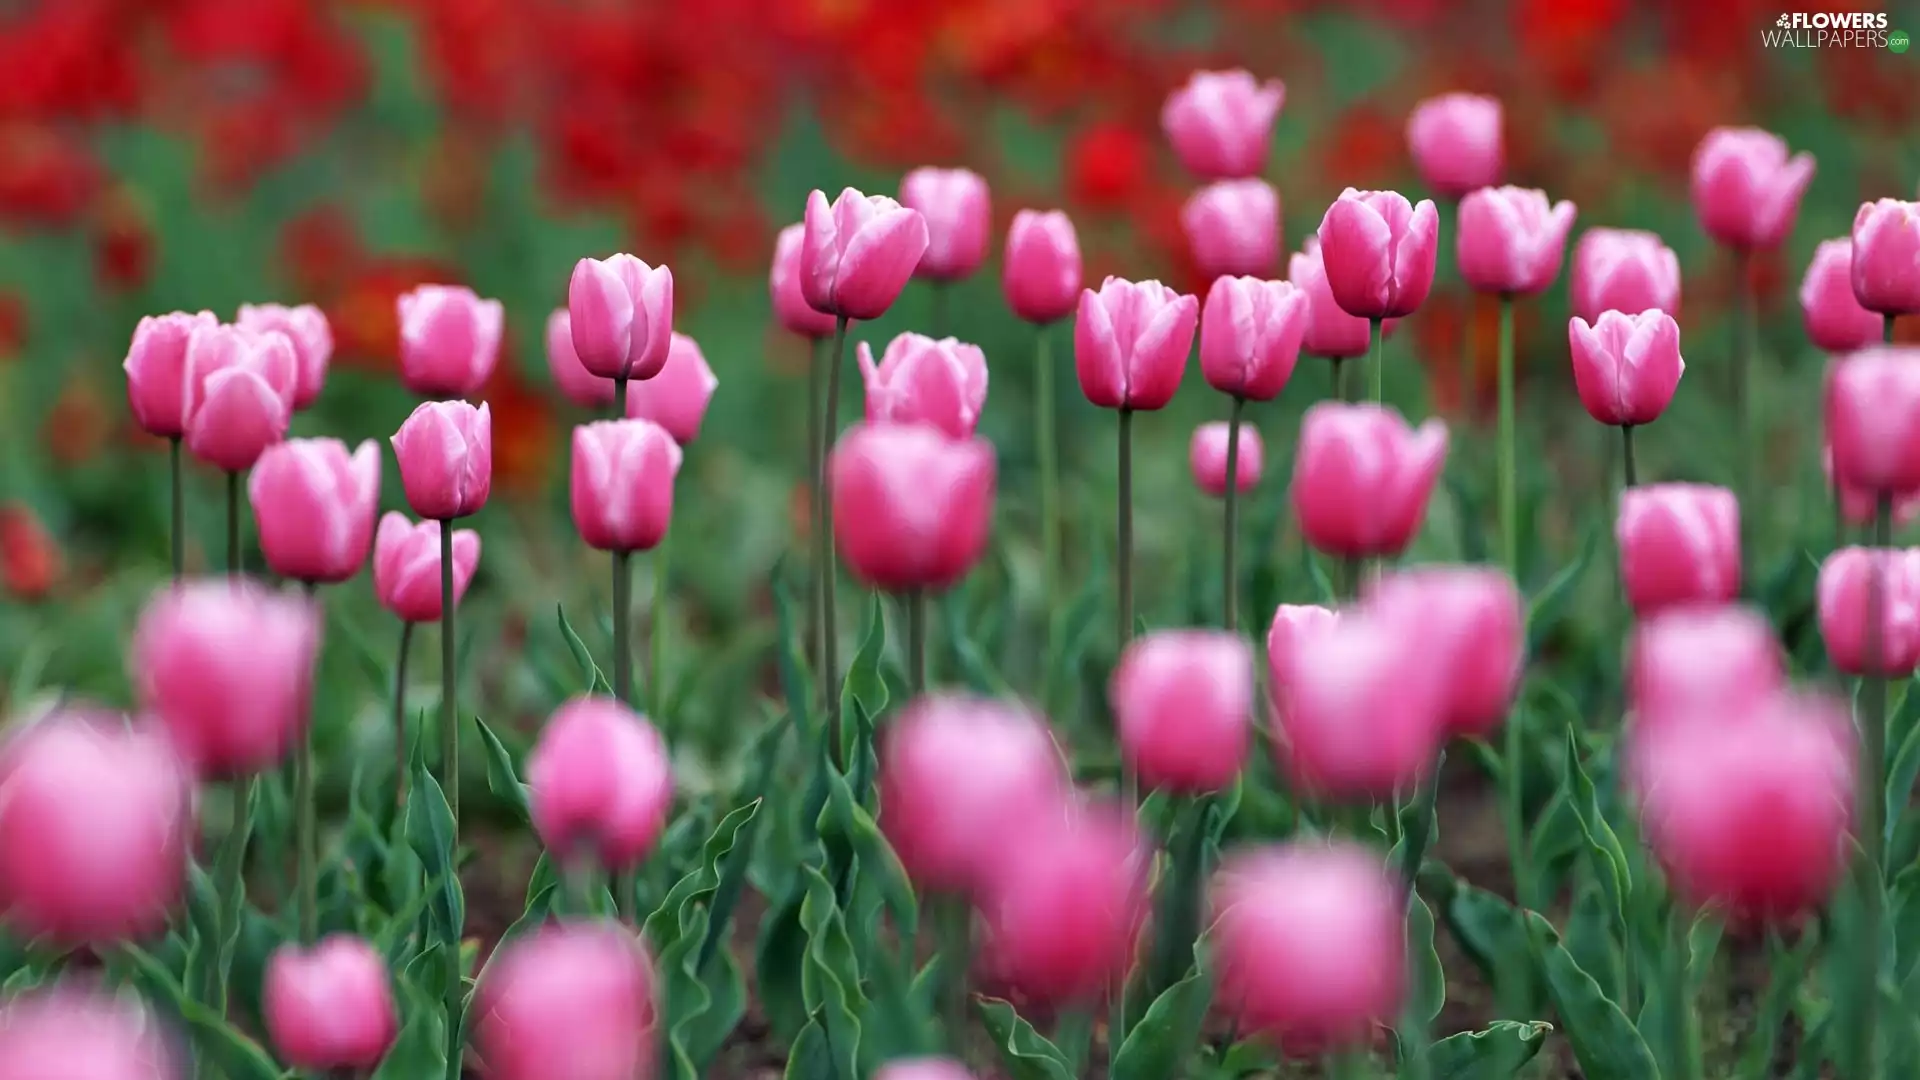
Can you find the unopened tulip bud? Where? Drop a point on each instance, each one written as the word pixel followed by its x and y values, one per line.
pixel 445 451
pixel 1848 580
pixel 1130 343
pixel 1042 266
pixel 858 252
pixel 330 1006
pixel 1361 710
pixel 1475 625
pixel 790 305
pixel 1512 240
pixel 1886 257
pixel 240 389
pixel 1208 458
pixel 922 381
pixel 1626 367
pixel 1291 622
pixel 1679 544
pixel 449 340
pixel 314 504
pixel 1221 122
pixel 73 1033
pixel 1330 332
pixel 1456 144
pixel 1183 705
pixel 1624 270
pixel 1250 334
pixel 582 387
pixel 569 1001
pixel 678 396
pixel 307 330
pixel 1362 478
pixel 621 316
pixel 157 370
pixel 958 214
pixel 923 1069
pixel 1834 319
pixel 912 508
pixel 1233 228
pixel 1701 661
pixel 1873 420
pixel 599 781
pixel 1746 190
pixel 622 483
pixel 406 566
pixel 1379 252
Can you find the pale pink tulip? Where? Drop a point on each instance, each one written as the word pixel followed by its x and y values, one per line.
pixel 1626 367
pixel 1848 580
pixel 1834 319
pixel 582 387
pixel 307 330
pixel 1379 252
pixel 912 508
pixel 1041 278
pixel 958 214
pixel 1706 661
pixel 922 381
pixel 621 316
pixel 1475 627
pixel 1221 122
pixel 1679 544
pixel 1233 228
pixel 314 505
pixel 157 371
pixel 678 396
pixel 445 450
pixel 239 394
pixel 1182 703
pixel 330 1006
pixel 1250 333
pixel 790 305
pixel 449 340
pixel 1362 478
pixel 621 484
pixel 1130 343
pixel 569 1001
pixel 406 566
pixel 1207 455
pixel 1512 240
pixel 1625 270
pixel 75 1032
pixel 1873 420
pixel 1362 710
pixel 1455 140
pixel 1886 257
pixel 600 783
pixel 858 252
pixel 1746 190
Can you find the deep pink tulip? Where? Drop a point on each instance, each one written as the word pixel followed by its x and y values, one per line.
pixel 600 783
pixel 621 315
pixel 622 483
pixel 569 1001
pixel 239 394
pixel 1330 332
pixel 330 1006
pixel 1475 625
pixel 314 504
pixel 858 252
pixel 925 1068
pixel 307 330
pixel 95 827
pixel 1233 228
pixel 958 214
pixel 911 507
pixel 1309 941
pixel 956 774
pixel 1250 333
pixel 1858 505
pixel 783 286
pixel 157 371
pixel 1041 276
pixel 1221 122
pixel 1291 622
pixel 1834 319
pixel 406 566
pixel 1183 705
pixel 1701 661
pixel 1130 343
pixel 922 381
pixel 1208 458
pixel 678 396
pixel 1362 477
pixel 1379 252
pixel 1360 708
pixel 1626 367
pixel 1873 420
pixel 1847 581
pixel 1886 257
pixel 1679 544
pixel 1746 190
pixel 582 387
pixel 445 450
pixel 449 340
pixel 228 666
pixel 1456 142
pixel 1627 270
pixel 1512 240
pixel 76 1033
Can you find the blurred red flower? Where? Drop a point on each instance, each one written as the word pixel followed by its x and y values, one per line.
pixel 122 243
pixel 1106 165
pixel 30 561
pixel 72 59
pixel 46 177
pixel 321 249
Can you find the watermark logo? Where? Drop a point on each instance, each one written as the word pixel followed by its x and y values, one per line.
pixel 1834 30
pixel 1897 40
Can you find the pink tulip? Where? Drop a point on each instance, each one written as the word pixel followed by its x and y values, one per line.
pixel 239 394
pixel 1361 711
pixel 314 504
pixel 1834 319
pixel 1208 458
pixel 1858 505
pixel 157 370
pixel 445 450
pixel 911 507
pixel 1475 625
pixel 1886 257
pixel 1379 252
pixel 1626 367
pixel 406 566
pixel 582 387
pixel 1221 122
pixel 923 1069
pixel 76 1033
pixel 1679 544
pixel 622 483
pixel 1233 228
pixel 1746 190
pixel 1183 706
pixel 1291 623
pixel 956 773
pixel 1362 477
pixel 569 1001
pixel 1130 343
pixel 449 340
pixel 622 316
pixel 955 205
pixel 1847 582
pixel 1042 266
pixel 330 1006
pixel 228 666
pixel 1310 944
pixel 1250 334
pixel 678 396
pixel 1873 420
pixel 783 287
pixel 1701 661
pixel 1456 144
pixel 307 330
pixel 1330 331
pixel 922 381
pixel 599 781
pixel 858 252
pixel 1512 240
pixel 1625 270
pixel 94 830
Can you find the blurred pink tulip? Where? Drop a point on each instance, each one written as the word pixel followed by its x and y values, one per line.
pixel 314 504
pixel 1873 420
pixel 1221 122
pixel 406 566
pixel 1233 228
pixel 582 387
pixel 239 394
pixel 1362 478
pixel 1624 270
pixel 1679 544
pixel 1291 622
pixel 1886 257
pixel 1130 343
pixel 1250 332
pixel 677 397
pixel 858 252
pixel 1701 661
pixel 923 1069
pixel 622 483
pixel 1834 319
pixel 330 1006
pixel 569 1001
pixel 1474 622
pixel 157 370
pixel 1847 581
pixel 1512 240
pixel 307 330
pixel 1361 711
pixel 1183 706
pixel 1746 190
pixel 95 829
pixel 83 1034
pixel 790 305
pixel 600 783
pixel 1379 252
pixel 1330 331
pixel 1042 266
pixel 621 315
pixel 922 381
pixel 1208 458
pixel 449 340
pixel 1858 506
pixel 958 215
pixel 1456 142
pixel 445 451
pixel 1626 367
pixel 912 508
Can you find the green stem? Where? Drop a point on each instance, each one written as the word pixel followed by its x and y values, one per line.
pixel 941 299
pixel 1413 851
pixel 580 878
pixel 1680 994
pixel 1349 584
pixel 1870 805
pixel 306 828
pixel 823 547
pixel 401 758
pixel 1378 347
pixel 916 601
pixel 1886 329
pixel 619 397
pixel 816 364
pixel 230 882
pixel 234 568
pixel 450 779
pixel 956 943
pixel 1509 497
pixel 1129 783
pixel 1341 378
pixel 1047 450
pixel 1229 579
pixel 1178 906
pixel 1744 333
pixel 622 626
pixel 657 633
pixel 1626 451
pixel 179 509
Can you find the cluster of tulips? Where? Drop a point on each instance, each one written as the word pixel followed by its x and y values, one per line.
pixel 1750 795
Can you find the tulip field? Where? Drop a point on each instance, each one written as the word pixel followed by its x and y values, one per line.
pixel 953 584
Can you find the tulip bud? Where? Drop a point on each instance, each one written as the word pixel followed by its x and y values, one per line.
pixel 1873 420
pixel 1362 477
pixel 1886 257
pixel 621 316
pixel 1379 252
pixel 923 1069
pixel 94 831
pixel 239 394
pixel 622 483
pixel 1512 240
pixel 677 397
pixel 158 373
pixel 314 505
pixel 1701 661
pixel 1361 710
pixel 599 780
pixel 1042 266
pixel 330 1006
pixel 406 566
pixel 1626 367
pixel 445 450
pixel 922 381
pixel 1475 625
pixel 1183 705
pixel 569 1001
pixel 1679 544
pixel 1624 270
pixel 307 330
pixel 582 387
pixel 1130 343
pixel 790 305
pixel 1233 228
pixel 955 205
pixel 1221 122
pixel 1746 191
pixel 1834 319
pixel 912 508
pixel 1847 581
pixel 858 252
pixel 449 340
pixel 1291 622
pixel 73 1033
pixel 1250 334
pixel 1455 142
pixel 1208 458
pixel 1330 331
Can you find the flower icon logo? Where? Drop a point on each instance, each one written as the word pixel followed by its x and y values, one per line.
pixel 1783 21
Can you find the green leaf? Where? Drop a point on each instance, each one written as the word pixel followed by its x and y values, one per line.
pixel 1906 766
pixel 1556 841
pixel 1497 1053
pixel 793 671
pixel 237 1056
pixel 1073 631
pixel 1605 1042
pixel 733 871
pixel 1026 1053
pixel 1603 846
pixel 1786 972
pixel 502 780
pixel 864 685
pixel 430 834
pixel 596 681
pixel 847 821
pixel 1324 593
pixel 778 958
pixel 1178 906
pixel 1428 988
pixel 976 671
pixel 812 1056
pixel 830 972
pixel 1543 611
pixel 420 1052
pixel 1164 1040
pixel 678 929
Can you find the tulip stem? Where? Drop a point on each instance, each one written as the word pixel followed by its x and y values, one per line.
pixel 1129 783
pixel 178 509
pixel 1047 451
pixel 1229 580
pixel 622 625
pixel 449 662
pixel 816 362
pixel 823 544
pixel 1509 495
pixel 619 397
pixel 1626 451
pixel 1870 797
pixel 1377 341
pixel 233 525
pixel 1413 851
pixel 1886 328
pixel 401 758
pixel 1743 335
pixel 916 600
pixel 1340 388
pixel 230 883
pixel 306 851
pixel 657 633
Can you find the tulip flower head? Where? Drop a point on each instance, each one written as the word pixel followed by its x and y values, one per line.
pixel 307 330
pixel 1886 257
pixel 449 340
pixel 77 1033
pixel 445 450
pixel 922 381
pixel 1250 334
pixel 1679 544
pixel 1379 252
pixel 330 1006
pixel 1873 420
pixel 1834 319
pixel 314 504
pixel 621 316
pixel 1208 457
pixel 677 397
pixel 923 1069
pixel 1041 278
pixel 582 387
pixel 1183 705
pixel 157 370
pixel 1291 622
pixel 912 507
pixel 1456 144
pixel 1859 506
pixel 569 1001
pixel 1624 270
pixel 1330 332
pixel 958 215
pixel 1130 343
pixel 1512 240
pixel 1474 622
pixel 599 781
pixel 1362 478
pixel 1746 189
pixel 239 394
pixel 1233 228
pixel 1221 122
pixel 858 252
pixel 1701 661
pixel 1626 367
pixel 622 483
pixel 1847 604
pixel 406 566
pixel 790 305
